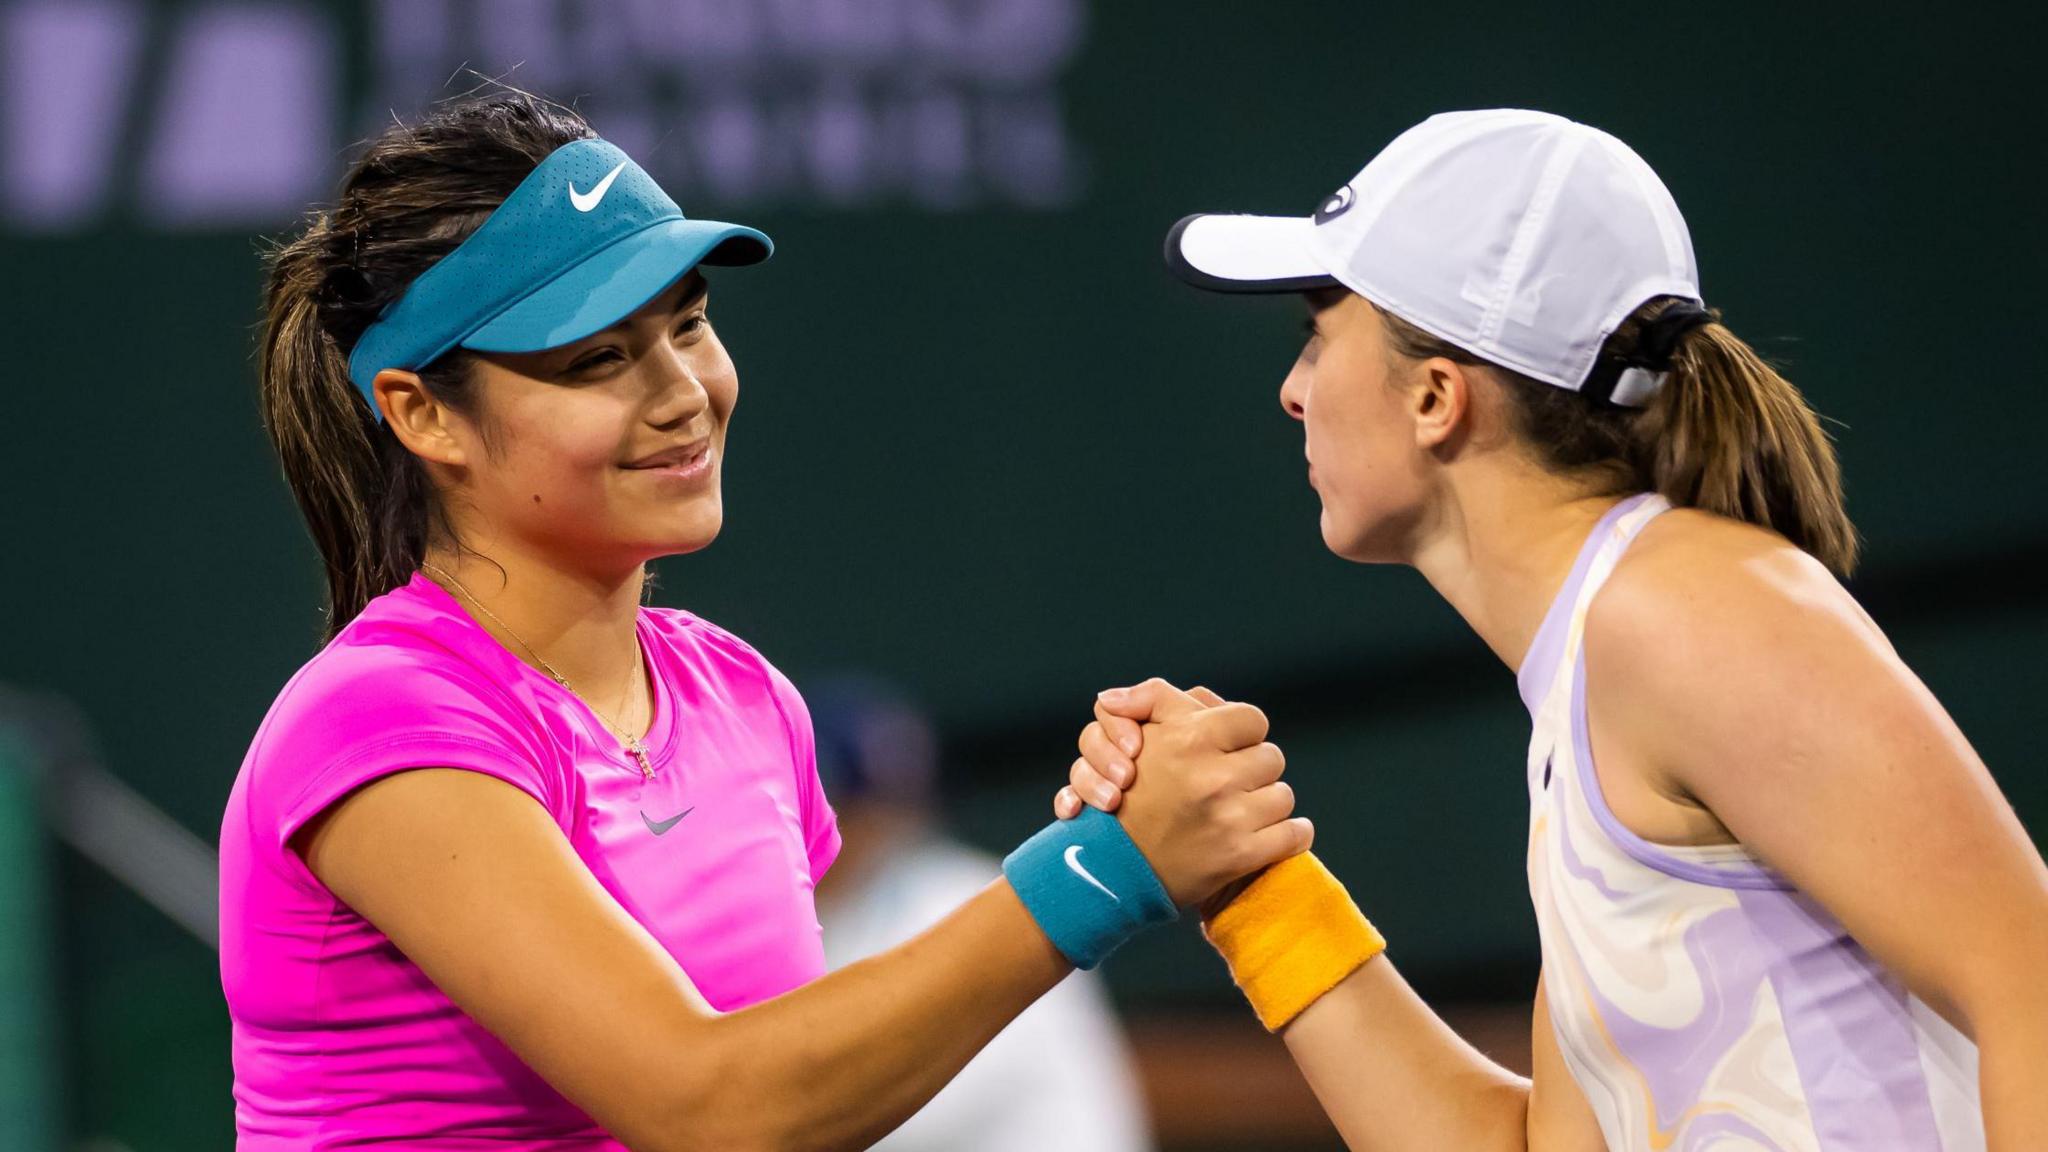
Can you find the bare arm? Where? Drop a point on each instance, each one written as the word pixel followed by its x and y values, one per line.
pixel 1393 1076
pixel 473 881
pixel 498 911
pixel 1389 1072
pixel 1780 708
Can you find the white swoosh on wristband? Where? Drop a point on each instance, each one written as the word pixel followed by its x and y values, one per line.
pixel 1074 862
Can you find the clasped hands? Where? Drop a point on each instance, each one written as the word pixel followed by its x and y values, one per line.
pixel 1213 811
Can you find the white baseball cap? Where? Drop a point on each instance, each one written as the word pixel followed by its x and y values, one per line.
pixel 1521 237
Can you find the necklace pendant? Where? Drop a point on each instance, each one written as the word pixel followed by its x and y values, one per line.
pixel 639 750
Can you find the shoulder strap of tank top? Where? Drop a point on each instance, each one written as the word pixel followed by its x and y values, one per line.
pixel 1619 535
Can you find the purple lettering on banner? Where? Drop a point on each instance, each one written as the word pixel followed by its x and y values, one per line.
pixel 841 145
pixel 705 31
pixel 412 39
pixel 523 39
pixel 841 32
pixel 943 104
pixel 245 131
pixel 69 68
pixel 635 133
pixel 939 150
pixel 1025 150
pixel 408 31
pixel 1007 41
pixel 607 40
pixel 729 136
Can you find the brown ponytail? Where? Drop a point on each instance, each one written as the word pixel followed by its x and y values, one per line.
pixel 415 194
pixel 1726 434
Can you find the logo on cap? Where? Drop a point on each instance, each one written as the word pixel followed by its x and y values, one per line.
pixel 1335 204
pixel 587 201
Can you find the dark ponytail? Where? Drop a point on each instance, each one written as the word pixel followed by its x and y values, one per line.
pixel 1726 434
pixel 417 192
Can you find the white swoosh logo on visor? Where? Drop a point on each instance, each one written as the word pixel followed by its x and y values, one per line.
pixel 585 201
pixel 1073 855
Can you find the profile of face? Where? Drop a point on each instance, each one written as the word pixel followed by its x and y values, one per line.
pixel 1374 424
pixel 606 452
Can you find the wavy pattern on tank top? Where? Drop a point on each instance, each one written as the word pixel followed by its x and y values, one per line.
pixel 1703 1003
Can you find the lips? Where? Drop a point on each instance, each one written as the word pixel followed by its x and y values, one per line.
pixel 675 457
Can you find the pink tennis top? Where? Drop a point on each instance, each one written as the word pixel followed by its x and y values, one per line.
pixel 339 1040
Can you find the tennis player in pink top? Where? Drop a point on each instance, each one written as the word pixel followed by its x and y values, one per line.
pixel 515 862
pixel 1781 902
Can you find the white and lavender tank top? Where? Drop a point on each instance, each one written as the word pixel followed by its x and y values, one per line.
pixel 1702 1003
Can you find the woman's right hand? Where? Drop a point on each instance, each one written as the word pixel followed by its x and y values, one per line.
pixel 1212 807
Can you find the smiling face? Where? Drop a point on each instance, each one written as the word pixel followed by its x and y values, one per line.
pixel 1373 424
pixel 604 453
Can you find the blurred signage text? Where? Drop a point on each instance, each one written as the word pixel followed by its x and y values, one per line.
pixel 234 113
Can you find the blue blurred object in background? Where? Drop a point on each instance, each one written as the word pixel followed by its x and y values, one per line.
pixel 1060 1075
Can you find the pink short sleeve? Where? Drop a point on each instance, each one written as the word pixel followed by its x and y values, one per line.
pixel 821 825
pixel 342 725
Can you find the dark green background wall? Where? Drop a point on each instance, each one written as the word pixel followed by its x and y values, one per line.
pixel 997 454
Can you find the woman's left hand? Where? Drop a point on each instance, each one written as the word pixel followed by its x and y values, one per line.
pixel 1110 745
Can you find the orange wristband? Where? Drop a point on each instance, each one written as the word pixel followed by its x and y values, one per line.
pixel 1291 936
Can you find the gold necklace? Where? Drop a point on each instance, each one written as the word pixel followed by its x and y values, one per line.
pixel 633 744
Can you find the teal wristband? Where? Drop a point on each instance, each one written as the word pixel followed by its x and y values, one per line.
pixel 1088 886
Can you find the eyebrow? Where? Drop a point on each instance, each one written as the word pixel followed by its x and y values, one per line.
pixel 701 290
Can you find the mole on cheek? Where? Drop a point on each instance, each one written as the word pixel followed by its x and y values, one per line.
pixel 536 497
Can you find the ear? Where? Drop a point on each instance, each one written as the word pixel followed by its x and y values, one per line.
pixel 420 422
pixel 1440 401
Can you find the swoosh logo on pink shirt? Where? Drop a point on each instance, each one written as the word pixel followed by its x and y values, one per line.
pixel 661 827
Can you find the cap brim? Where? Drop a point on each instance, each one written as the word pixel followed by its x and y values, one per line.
pixel 614 282
pixel 1227 253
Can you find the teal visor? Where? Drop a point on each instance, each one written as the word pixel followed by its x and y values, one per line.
pixel 581 244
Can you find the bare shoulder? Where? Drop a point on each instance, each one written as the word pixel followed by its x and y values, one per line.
pixel 1716 642
pixel 1697 589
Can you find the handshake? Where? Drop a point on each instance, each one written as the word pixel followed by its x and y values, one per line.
pixel 1210 825
pixel 1211 811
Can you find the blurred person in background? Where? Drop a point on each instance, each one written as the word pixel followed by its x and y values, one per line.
pixel 1790 908
pixel 1059 1076
pixel 515 860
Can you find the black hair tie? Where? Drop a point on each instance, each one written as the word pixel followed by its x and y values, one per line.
pixel 1656 342
pixel 345 285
